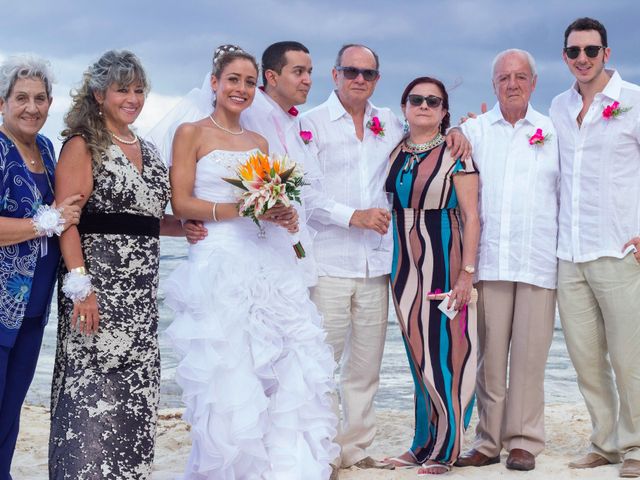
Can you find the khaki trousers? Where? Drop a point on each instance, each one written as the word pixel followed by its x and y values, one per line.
pixel 355 314
pixel 515 329
pixel 600 312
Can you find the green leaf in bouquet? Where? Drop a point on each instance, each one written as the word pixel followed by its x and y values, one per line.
pixel 236 182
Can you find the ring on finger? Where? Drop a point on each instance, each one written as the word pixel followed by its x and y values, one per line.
pixel 81 318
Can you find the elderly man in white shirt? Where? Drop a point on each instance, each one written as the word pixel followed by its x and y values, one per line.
pixel 516 151
pixel 598 123
pixel 352 139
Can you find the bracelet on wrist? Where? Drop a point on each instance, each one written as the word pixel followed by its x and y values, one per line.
pixel 48 221
pixel 213 211
pixel 76 284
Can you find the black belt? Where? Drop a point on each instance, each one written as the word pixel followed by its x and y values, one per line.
pixel 119 223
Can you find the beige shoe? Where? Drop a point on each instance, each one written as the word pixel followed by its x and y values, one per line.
pixel 630 468
pixel 590 460
pixel 368 462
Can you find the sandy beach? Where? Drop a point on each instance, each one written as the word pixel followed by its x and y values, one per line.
pixel 568 429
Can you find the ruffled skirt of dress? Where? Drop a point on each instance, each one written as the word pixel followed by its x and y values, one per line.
pixel 255 370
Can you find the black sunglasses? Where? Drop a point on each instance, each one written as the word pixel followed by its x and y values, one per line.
pixel 590 51
pixel 351 73
pixel 432 100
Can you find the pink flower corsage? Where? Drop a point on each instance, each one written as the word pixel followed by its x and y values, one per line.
pixel 376 127
pixel 538 138
pixel 614 110
pixel 306 136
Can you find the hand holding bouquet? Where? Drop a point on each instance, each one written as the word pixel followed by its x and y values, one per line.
pixel 268 181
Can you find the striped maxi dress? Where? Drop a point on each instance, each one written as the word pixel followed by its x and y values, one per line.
pixel 428 256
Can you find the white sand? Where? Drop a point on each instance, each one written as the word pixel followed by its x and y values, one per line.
pixel 568 428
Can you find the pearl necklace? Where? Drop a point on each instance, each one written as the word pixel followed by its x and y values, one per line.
pixel 122 140
pixel 226 129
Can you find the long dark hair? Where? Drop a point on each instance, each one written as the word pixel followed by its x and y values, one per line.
pixel 446 121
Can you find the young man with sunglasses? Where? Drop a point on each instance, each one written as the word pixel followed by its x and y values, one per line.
pixel 352 139
pixel 598 124
pixel 516 150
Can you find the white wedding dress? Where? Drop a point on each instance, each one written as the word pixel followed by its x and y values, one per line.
pixel 255 370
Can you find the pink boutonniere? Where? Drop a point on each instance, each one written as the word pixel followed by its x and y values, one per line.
pixel 376 127
pixel 538 138
pixel 306 136
pixel 614 110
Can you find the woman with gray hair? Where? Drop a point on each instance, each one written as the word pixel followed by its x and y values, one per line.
pixel 107 370
pixel 30 223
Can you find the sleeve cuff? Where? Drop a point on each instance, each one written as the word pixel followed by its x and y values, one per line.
pixel 341 215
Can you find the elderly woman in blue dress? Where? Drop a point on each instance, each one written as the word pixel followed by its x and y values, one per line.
pixel 29 226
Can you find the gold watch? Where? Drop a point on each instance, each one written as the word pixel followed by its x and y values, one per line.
pixel 469 269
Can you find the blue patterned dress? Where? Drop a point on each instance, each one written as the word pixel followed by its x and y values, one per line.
pixel 19 198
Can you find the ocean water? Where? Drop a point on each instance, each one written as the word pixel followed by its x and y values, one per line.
pixel 396 385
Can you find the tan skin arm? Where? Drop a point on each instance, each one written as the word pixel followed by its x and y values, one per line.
pixel 74 176
pixel 18 230
pixel 182 176
pixel 466 186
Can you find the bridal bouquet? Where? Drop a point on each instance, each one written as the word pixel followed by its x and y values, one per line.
pixel 267 181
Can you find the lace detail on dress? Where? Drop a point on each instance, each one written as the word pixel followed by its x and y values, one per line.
pixel 228 159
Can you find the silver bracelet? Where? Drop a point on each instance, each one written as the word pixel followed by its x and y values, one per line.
pixel 213 211
pixel 48 221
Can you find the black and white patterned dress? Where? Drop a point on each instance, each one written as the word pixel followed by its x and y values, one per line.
pixel 106 387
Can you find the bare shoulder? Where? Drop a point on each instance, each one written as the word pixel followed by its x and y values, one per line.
pixel 188 131
pixel 260 141
pixel 74 151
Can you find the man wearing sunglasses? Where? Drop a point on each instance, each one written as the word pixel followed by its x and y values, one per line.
pixel 517 265
pixel 598 124
pixel 353 139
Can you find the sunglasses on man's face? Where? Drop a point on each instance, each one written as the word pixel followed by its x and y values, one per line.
pixel 351 73
pixel 417 100
pixel 590 51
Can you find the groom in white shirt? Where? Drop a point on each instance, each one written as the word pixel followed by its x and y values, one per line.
pixel 598 123
pixel 516 150
pixel 286 75
pixel 353 139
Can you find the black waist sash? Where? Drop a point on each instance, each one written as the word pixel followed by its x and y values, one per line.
pixel 119 223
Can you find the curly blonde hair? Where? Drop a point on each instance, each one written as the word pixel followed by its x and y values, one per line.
pixel 120 67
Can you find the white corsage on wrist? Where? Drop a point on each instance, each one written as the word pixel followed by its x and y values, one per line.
pixel 48 221
pixel 77 285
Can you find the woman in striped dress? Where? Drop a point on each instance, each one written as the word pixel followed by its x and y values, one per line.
pixel 435 195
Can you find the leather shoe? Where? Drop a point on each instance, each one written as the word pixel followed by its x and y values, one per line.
pixel 520 459
pixel 473 458
pixel 630 468
pixel 590 460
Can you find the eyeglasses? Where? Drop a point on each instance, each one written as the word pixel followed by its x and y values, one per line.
pixel 417 100
pixel 590 51
pixel 351 73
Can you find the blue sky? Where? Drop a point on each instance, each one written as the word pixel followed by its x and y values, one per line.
pixel 452 40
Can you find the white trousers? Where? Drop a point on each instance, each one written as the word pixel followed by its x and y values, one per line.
pixel 355 312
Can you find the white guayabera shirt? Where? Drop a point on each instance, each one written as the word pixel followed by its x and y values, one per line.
pixel 519 186
pixel 354 173
pixel 600 163
pixel 282 131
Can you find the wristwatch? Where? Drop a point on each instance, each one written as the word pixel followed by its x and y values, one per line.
pixel 469 269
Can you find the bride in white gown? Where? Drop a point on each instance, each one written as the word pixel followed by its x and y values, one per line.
pixel 255 370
